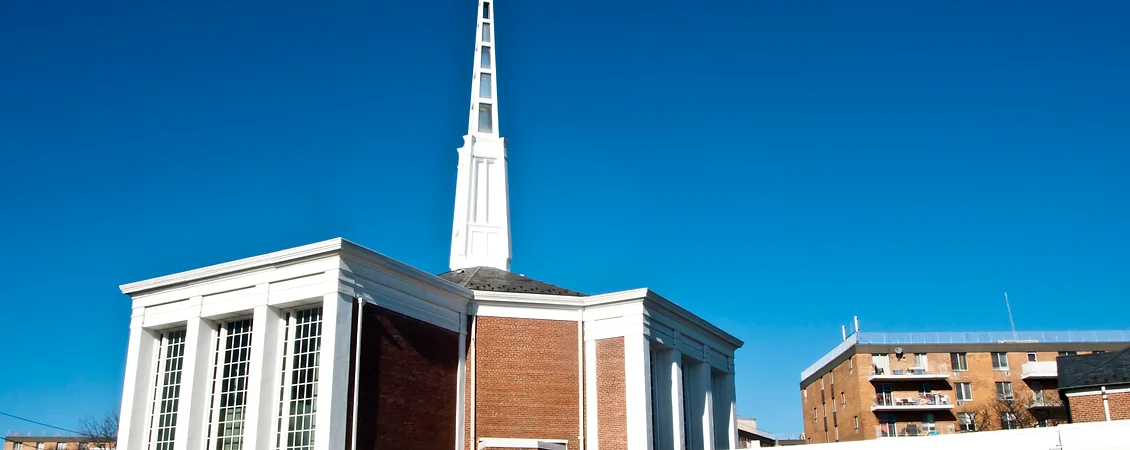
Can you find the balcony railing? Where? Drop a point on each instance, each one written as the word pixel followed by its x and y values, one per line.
pixel 1045 400
pixel 922 401
pixel 885 374
pixel 912 430
pixel 1039 369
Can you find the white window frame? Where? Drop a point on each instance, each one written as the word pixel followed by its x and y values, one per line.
pixel 970 420
pixel 843 399
pixel 1010 395
pixel 1009 418
pixel 1000 361
pixel 921 360
pixel 804 393
pixel 1032 357
pixel 968 391
pixel 962 359
pixel 223 375
pixel 162 385
pixel 288 343
pixel 856 423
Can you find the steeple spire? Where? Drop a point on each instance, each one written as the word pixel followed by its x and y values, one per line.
pixel 481 229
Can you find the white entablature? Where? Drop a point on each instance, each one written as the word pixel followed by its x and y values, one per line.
pixel 481 226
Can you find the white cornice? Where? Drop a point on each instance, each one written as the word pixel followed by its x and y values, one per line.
pixel 332 247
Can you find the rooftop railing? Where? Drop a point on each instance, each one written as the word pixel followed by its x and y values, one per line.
pixel 982 337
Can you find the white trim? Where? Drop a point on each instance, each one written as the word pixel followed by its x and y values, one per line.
pixel 548 444
pixel 360 305
pixel 525 312
pixel 192 412
pixel 460 387
pixel 263 378
pixel 1098 391
pixel 637 382
pixel 137 392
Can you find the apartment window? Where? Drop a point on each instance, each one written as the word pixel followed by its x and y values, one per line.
pixel 924 388
pixel 1000 361
pixel 486 10
pixel 1067 353
pixel 832 377
pixel 83 446
pixel 813 414
pixel 965 422
pixel 881 364
pixel 1008 421
pixel 843 399
pixel 486 32
pixel 1004 390
pixel 60 446
pixel 964 392
pixel 804 393
pixel 229 385
pixel 486 118
pixel 928 424
pixel 484 57
pixel 39 446
pixel 856 420
pixel 1031 356
pixel 837 435
pixel 166 391
pixel 303 344
pixel 484 85
pixel 835 419
pixel 888 426
pixel 851 366
pixel 17 445
pixel 959 362
pixel 883 394
pixel 920 360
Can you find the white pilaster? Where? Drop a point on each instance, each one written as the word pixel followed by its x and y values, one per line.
pixel 677 399
pixel 263 378
pixel 192 417
pixel 460 385
pixel 637 383
pixel 138 390
pixel 725 418
pixel 698 396
pixel 665 399
pixel 481 227
pixel 591 425
pixel 333 376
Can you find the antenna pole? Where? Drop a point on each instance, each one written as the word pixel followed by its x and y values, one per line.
pixel 843 331
pixel 1010 322
pixel 856 318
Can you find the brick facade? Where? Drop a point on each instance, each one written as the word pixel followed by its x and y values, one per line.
pixel 526 376
pixel 612 414
pixel 408 369
pixel 1089 408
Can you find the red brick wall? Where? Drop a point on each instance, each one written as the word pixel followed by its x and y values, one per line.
pixel 406 395
pixel 612 414
pixel 1089 408
pixel 526 376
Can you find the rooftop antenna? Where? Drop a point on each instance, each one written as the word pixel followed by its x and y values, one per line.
pixel 1010 322
pixel 843 331
pixel 856 323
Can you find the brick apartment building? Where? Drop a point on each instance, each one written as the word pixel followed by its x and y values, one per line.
pixel 335 346
pixel 1096 387
pixel 876 385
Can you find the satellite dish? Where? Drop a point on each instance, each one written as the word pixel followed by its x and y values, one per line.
pixel 898 350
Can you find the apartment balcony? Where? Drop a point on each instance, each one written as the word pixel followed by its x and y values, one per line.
pixel 890 430
pixel 886 402
pixel 915 374
pixel 1039 370
pixel 1045 400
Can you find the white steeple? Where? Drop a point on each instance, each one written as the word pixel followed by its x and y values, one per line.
pixel 481 229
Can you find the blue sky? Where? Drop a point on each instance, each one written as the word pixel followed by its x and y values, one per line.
pixel 775 167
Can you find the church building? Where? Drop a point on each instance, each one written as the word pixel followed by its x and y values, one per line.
pixel 334 346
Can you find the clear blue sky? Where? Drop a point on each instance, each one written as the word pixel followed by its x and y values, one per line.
pixel 775 167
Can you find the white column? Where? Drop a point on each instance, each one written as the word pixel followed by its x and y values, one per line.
pixel 637 398
pixel 698 395
pixel 677 399
pixel 263 378
pixel 333 375
pixel 137 394
pixel 460 384
pixel 592 441
pixel 666 399
pixel 196 377
pixel 725 420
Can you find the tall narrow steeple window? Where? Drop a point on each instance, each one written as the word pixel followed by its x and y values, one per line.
pixel 486 10
pixel 484 85
pixel 486 119
pixel 484 60
pixel 486 32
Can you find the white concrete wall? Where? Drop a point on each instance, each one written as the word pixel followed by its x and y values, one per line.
pixel 1079 436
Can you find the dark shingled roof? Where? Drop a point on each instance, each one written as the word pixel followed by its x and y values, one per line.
pixel 1096 369
pixel 497 280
